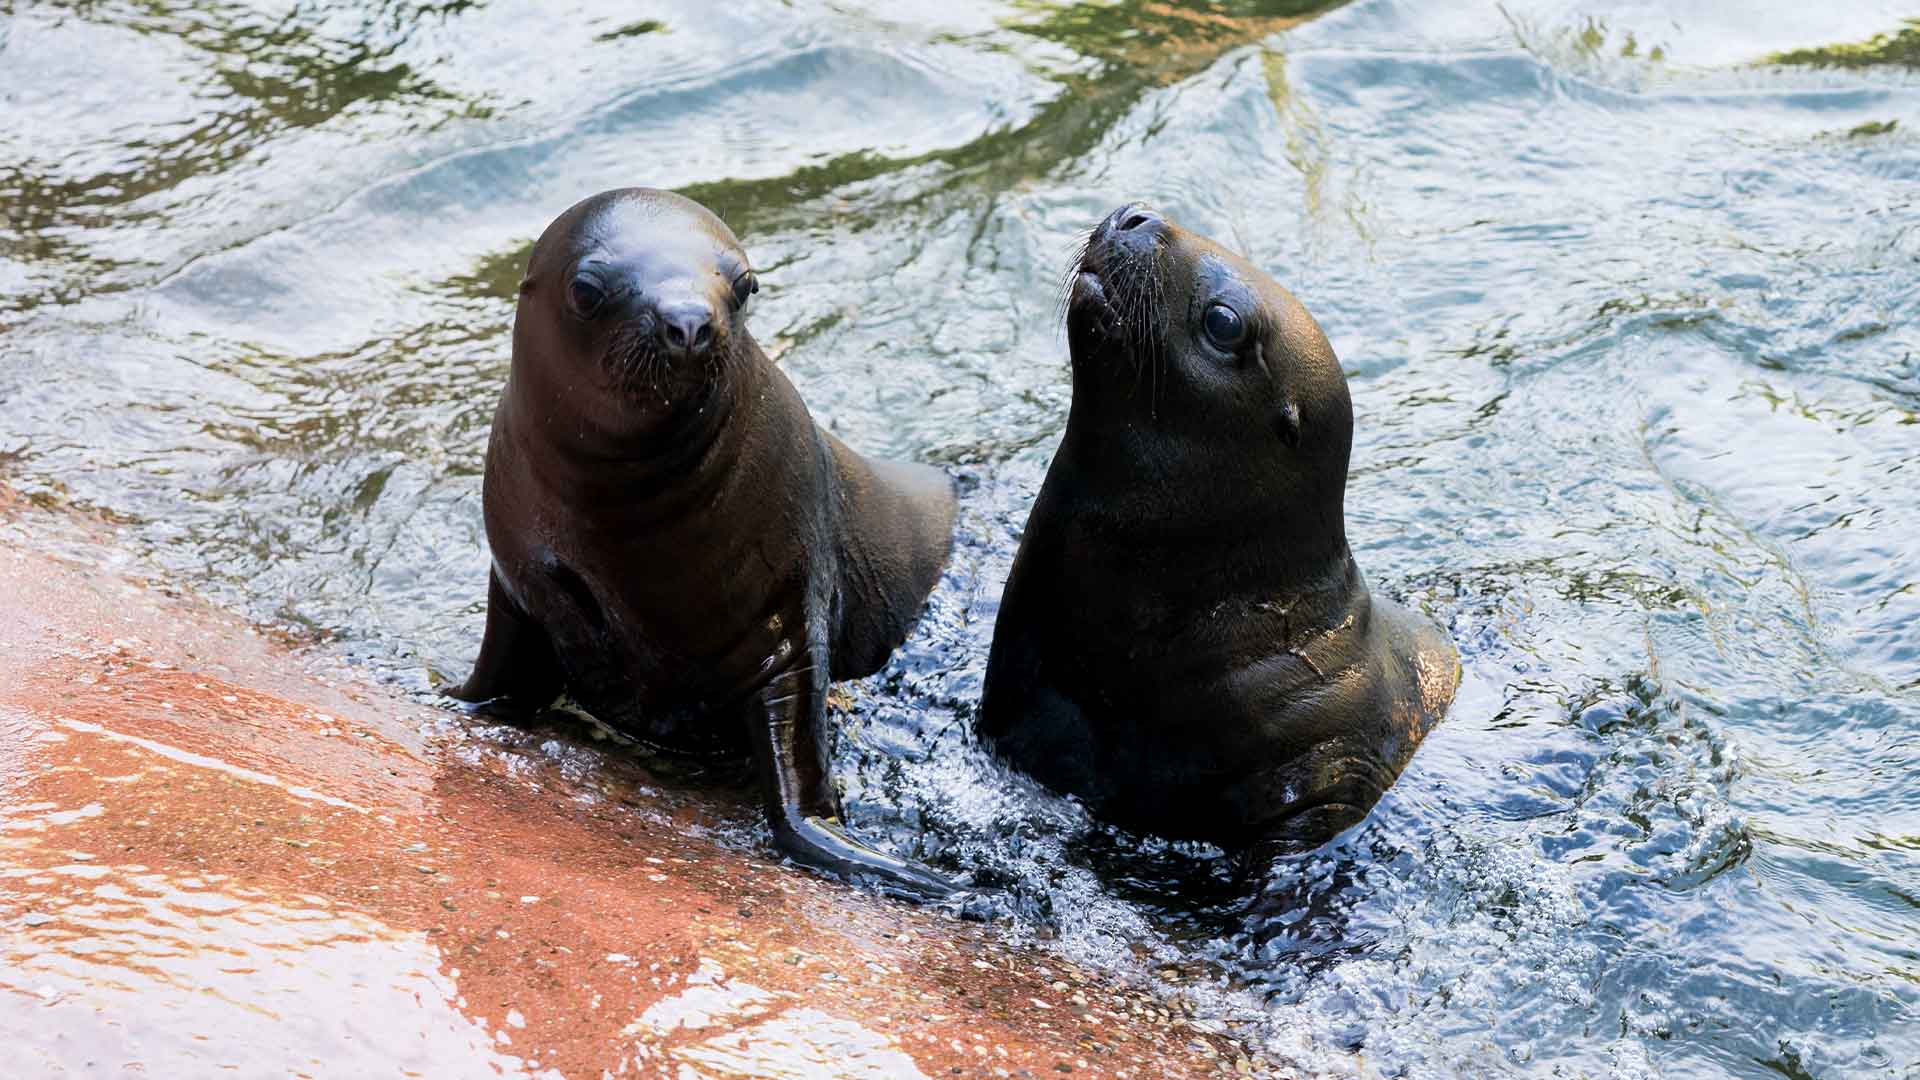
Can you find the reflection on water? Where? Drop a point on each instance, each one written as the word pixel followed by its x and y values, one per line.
pixel 111 966
pixel 758 1036
pixel 117 966
pixel 1626 298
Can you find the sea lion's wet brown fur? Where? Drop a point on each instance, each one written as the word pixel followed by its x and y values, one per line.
pixel 1185 642
pixel 675 542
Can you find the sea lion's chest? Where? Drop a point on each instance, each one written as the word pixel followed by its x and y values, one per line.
pixel 656 657
pixel 662 622
pixel 1163 680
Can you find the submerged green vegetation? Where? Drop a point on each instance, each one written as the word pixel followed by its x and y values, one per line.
pixel 634 29
pixel 1131 48
pixel 1900 48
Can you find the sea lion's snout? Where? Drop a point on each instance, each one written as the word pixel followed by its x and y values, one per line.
pixel 1131 226
pixel 659 331
pixel 1127 238
pixel 1115 283
pixel 671 316
pixel 685 327
pixel 659 337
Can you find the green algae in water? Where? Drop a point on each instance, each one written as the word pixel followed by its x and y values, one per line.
pixel 1898 49
pixel 644 26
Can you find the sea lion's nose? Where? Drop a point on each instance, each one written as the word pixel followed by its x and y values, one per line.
pixel 1132 231
pixel 686 327
pixel 1134 221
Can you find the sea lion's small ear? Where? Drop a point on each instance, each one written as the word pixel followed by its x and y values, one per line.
pixel 526 284
pixel 1289 424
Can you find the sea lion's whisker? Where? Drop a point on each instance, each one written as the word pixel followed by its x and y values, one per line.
pixel 1076 255
pixel 633 358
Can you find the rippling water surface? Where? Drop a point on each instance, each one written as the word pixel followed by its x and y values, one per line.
pixel 1627 296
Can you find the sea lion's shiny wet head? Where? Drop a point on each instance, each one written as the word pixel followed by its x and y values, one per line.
pixel 1196 374
pixel 632 307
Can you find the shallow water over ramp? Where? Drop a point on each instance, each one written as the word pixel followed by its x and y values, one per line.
pixel 204 897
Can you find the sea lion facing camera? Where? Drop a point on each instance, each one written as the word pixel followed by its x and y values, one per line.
pixel 1185 642
pixel 675 542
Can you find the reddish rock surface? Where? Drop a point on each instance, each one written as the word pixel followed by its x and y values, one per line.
pixel 216 861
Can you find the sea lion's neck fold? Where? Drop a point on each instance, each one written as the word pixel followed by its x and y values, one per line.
pixel 683 450
pixel 1243 523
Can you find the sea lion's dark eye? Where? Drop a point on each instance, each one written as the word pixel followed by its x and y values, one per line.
pixel 744 286
pixel 585 295
pixel 1224 326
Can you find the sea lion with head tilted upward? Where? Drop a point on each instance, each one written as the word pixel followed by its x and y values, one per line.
pixel 1185 642
pixel 675 542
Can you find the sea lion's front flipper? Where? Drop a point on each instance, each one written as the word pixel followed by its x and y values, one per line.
pixel 516 674
pixel 787 718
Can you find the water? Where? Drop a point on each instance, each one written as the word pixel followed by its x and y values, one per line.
pixel 1628 313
